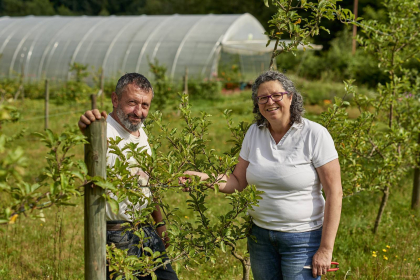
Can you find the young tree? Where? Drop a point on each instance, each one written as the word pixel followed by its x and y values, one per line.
pixel 379 147
pixel 290 23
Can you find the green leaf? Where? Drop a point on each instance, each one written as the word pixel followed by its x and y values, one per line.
pixel 77 174
pixel 223 246
pixel 115 207
pixel 105 185
pixel 216 189
pixel 67 204
pixel 147 249
pixel 266 3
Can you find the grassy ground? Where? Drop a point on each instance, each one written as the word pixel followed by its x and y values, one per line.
pixel 32 249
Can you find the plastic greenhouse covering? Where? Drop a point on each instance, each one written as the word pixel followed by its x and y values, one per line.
pixel 45 47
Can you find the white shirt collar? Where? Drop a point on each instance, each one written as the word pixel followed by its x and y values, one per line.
pixel 295 125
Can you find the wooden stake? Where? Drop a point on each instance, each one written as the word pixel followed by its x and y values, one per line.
pixel 93 101
pixel 415 200
pixel 23 80
pixel 21 89
pixel 186 81
pixel 102 89
pixel 47 100
pixel 95 224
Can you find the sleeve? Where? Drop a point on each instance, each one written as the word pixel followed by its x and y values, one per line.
pixel 244 153
pixel 110 159
pixel 323 149
pixel 110 133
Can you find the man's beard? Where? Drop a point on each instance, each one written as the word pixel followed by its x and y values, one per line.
pixel 124 119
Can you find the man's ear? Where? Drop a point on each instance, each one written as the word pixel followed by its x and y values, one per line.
pixel 114 98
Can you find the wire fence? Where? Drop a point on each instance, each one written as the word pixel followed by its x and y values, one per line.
pixel 53 115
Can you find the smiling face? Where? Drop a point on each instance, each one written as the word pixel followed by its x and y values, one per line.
pixel 132 107
pixel 275 112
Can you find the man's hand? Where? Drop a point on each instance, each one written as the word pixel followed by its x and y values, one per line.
pixel 89 117
pixel 160 230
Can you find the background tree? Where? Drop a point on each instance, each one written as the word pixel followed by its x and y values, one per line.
pixel 379 147
pixel 367 8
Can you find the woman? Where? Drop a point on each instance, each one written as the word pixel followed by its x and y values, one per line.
pixel 288 157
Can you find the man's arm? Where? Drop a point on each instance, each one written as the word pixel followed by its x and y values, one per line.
pixel 88 117
pixel 157 217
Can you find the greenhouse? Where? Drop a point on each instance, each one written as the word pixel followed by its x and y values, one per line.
pixel 45 47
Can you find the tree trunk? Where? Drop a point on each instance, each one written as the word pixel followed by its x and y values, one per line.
pixel 246 268
pixel 381 209
pixel 355 8
pixel 273 56
pixel 415 200
pixel 245 261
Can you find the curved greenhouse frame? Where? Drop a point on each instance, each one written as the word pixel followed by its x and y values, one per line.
pixel 45 47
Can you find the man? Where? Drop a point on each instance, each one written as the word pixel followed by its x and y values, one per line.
pixel 131 103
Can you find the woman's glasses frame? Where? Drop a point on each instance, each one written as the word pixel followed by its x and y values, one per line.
pixel 276 97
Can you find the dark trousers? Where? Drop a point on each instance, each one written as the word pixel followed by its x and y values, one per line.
pixel 130 241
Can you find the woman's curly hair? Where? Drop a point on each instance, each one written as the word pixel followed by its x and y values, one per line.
pixel 296 108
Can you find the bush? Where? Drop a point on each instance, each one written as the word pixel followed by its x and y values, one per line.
pixel 206 89
pixel 336 64
pixel 162 86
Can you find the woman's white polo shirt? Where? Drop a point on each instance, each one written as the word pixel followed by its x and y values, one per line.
pixel 292 200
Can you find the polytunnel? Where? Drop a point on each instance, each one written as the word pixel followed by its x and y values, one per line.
pixel 45 47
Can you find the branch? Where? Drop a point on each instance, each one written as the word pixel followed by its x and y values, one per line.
pixel 162 264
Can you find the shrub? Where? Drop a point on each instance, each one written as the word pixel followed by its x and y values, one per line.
pixel 206 89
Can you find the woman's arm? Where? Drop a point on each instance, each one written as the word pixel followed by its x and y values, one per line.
pixel 330 177
pixel 236 181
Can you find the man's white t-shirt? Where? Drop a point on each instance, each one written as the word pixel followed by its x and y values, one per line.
pixel 292 200
pixel 114 129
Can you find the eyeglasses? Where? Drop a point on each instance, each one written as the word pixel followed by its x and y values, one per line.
pixel 278 96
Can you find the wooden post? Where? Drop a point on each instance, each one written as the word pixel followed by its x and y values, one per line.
pixel 102 89
pixel 415 200
pixel 95 224
pixel 93 100
pixel 22 76
pixel 186 81
pixel 355 8
pixel 23 80
pixel 47 100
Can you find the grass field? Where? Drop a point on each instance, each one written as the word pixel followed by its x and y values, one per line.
pixel 32 249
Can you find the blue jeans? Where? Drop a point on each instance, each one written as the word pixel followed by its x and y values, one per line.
pixel 129 241
pixel 282 255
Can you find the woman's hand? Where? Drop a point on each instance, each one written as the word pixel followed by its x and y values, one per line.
pixel 321 262
pixel 183 180
pixel 235 182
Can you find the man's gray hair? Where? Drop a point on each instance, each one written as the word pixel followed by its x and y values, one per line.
pixel 296 108
pixel 133 78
